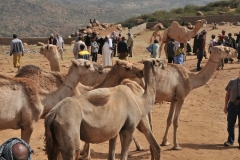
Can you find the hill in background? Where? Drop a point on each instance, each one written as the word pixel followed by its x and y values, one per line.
pixel 39 18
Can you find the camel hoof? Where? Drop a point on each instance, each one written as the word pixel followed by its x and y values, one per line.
pixel 165 143
pixel 177 148
pixel 139 149
pixel 85 157
pixel 82 152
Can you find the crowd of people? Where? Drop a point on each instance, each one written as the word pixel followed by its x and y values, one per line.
pixel 175 50
pixel 109 46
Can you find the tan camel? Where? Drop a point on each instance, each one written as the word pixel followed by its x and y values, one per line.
pixel 156 34
pixel 51 53
pixel 176 82
pixel 99 115
pixel 30 102
pixel 180 33
pixel 118 72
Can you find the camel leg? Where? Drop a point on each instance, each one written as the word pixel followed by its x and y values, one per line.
pixel 26 131
pixel 86 152
pixel 126 137
pixel 138 146
pixel 150 119
pixel 144 127
pixel 175 125
pixel 169 122
pixel 112 147
pixel 161 47
pixel 185 51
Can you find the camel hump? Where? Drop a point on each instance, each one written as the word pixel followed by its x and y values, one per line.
pixel 98 97
pixel 175 24
pixel 134 86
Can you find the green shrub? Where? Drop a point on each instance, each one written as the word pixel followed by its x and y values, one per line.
pixel 211 8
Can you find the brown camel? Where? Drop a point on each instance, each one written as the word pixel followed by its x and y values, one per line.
pixel 176 82
pixel 92 118
pixel 51 53
pixel 180 33
pixel 30 102
pixel 157 33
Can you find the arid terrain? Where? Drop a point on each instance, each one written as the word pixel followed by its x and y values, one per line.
pixel 39 18
pixel 202 126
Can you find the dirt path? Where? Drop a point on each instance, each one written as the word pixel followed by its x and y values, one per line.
pixel 202 127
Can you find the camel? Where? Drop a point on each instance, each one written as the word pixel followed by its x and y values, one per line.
pixel 157 33
pixel 176 82
pixel 30 102
pixel 51 53
pixel 93 118
pixel 108 76
pixel 118 72
pixel 180 33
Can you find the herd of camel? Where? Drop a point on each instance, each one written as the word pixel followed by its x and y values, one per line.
pixel 95 104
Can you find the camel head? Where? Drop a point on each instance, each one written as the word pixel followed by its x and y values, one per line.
pixel 127 70
pixel 48 49
pixel 82 67
pixel 155 64
pixel 221 52
pixel 199 24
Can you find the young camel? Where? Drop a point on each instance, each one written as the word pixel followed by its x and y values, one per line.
pixel 31 102
pixel 100 115
pixel 176 82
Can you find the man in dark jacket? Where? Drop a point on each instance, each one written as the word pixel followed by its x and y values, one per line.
pixel 201 49
pixel 123 49
pixel 171 49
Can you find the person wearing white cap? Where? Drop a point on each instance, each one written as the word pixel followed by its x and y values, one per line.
pixel 130 44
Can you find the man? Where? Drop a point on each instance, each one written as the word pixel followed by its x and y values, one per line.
pixel 130 44
pixel 179 55
pixel 238 45
pixel 224 35
pixel 16 49
pixel 123 49
pixel 171 49
pixel 201 49
pixel 15 149
pixel 232 108
pixel 60 43
pixel 155 53
pixel 83 54
pixel 76 47
pixel 52 40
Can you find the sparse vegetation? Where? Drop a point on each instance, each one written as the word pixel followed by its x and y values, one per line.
pixel 211 8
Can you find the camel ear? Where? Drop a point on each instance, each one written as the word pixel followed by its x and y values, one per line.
pixel 128 66
pixel 47 47
pixel 87 64
pixel 75 63
pixel 153 62
pixel 226 49
pixel 164 65
pixel 118 62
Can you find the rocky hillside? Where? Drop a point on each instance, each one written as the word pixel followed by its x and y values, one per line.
pixel 39 18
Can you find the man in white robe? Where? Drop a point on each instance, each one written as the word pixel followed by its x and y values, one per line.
pixel 106 52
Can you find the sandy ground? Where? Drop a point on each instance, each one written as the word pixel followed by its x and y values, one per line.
pixel 202 127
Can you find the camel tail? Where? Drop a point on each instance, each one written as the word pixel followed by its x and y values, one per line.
pixel 50 141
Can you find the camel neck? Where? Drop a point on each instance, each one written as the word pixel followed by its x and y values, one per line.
pixel 205 74
pixel 112 79
pixel 65 90
pixel 150 89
